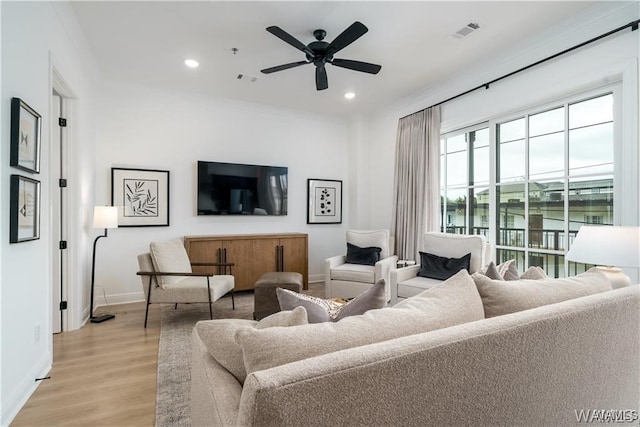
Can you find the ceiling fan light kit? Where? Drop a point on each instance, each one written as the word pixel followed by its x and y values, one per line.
pixel 320 53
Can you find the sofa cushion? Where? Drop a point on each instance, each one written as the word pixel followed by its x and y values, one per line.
pixel 171 257
pixel 438 267
pixel 218 336
pixel 354 273
pixel 415 285
pixel 323 310
pixel 452 302
pixel 503 297
pixel 365 256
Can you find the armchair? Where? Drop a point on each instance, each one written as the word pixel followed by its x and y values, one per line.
pixel 167 278
pixel 406 283
pixel 345 280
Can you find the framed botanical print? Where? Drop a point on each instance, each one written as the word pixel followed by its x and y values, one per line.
pixel 25 137
pixel 24 209
pixel 142 197
pixel 324 201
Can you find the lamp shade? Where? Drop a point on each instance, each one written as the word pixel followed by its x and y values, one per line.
pixel 604 245
pixel 105 217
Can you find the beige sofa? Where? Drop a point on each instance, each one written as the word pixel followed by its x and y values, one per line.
pixel 543 366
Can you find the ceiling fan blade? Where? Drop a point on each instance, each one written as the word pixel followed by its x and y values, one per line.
pixel 288 38
pixel 283 67
pixel 348 36
pixel 321 78
pixel 365 67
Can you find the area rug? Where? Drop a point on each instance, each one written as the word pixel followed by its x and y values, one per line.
pixel 173 406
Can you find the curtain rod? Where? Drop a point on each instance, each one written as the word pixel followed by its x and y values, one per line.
pixel 633 25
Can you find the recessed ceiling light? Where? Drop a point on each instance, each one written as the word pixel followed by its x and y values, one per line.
pixel 191 63
pixel 349 95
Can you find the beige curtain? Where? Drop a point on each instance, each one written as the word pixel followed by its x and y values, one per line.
pixel 416 201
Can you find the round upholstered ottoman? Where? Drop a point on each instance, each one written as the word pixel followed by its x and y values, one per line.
pixel 265 300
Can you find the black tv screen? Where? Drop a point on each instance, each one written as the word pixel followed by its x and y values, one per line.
pixel 238 189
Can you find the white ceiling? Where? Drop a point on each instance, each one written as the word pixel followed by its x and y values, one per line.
pixel 146 42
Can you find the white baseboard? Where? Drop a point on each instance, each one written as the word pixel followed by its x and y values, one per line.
pixel 316 278
pixel 101 301
pixel 19 397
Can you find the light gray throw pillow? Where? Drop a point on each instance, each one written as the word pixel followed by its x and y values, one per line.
pixel 323 310
pixel 218 336
pixel 504 271
pixel 503 297
pixel 449 303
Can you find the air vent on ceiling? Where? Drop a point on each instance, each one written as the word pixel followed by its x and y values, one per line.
pixel 466 30
pixel 246 77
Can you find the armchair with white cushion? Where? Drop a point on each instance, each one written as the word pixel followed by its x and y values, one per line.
pixel 347 280
pixel 167 277
pixel 406 283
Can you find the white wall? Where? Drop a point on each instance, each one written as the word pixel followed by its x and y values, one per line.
pixel 36 37
pixel 142 127
pixel 614 58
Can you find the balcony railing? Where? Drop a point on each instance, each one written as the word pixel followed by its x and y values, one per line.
pixel 553 264
pixel 538 238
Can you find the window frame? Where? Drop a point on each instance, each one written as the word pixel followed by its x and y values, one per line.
pixel 615 89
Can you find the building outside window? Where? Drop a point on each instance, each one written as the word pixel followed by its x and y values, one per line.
pixel 547 171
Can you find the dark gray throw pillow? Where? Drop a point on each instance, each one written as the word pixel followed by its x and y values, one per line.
pixel 364 256
pixel 437 267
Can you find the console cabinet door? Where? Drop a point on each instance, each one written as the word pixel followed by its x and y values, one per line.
pixel 239 252
pixel 204 251
pixel 294 256
pixel 265 256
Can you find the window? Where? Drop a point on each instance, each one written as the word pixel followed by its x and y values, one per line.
pixel 464 181
pixel 554 171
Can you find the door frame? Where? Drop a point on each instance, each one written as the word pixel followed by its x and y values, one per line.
pixel 68 293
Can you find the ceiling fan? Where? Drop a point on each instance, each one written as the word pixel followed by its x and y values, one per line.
pixel 320 52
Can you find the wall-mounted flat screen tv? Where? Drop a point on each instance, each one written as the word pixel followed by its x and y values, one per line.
pixel 239 189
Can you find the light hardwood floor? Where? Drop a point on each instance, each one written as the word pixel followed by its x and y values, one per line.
pixel 104 374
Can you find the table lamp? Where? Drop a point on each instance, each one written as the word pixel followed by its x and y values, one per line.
pixel 608 246
pixel 103 217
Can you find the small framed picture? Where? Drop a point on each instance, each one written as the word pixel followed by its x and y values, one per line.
pixel 25 137
pixel 142 197
pixel 24 206
pixel 324 204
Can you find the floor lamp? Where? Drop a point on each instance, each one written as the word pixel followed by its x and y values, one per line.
pixel 103 217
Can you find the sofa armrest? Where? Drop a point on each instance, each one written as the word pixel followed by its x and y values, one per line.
pixel 335 261
pixel 330 263
pixel 399 275
pixel 383 271
pixel 384 267
pixel 404 273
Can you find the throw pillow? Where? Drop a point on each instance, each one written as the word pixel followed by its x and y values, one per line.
pixel 449 303
pixel 364 256
pixel 323 310
pixel 218 336
pixel 504 271
pixel 441 268
pixel 503 297
pixel 534 273
pixel 171 257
